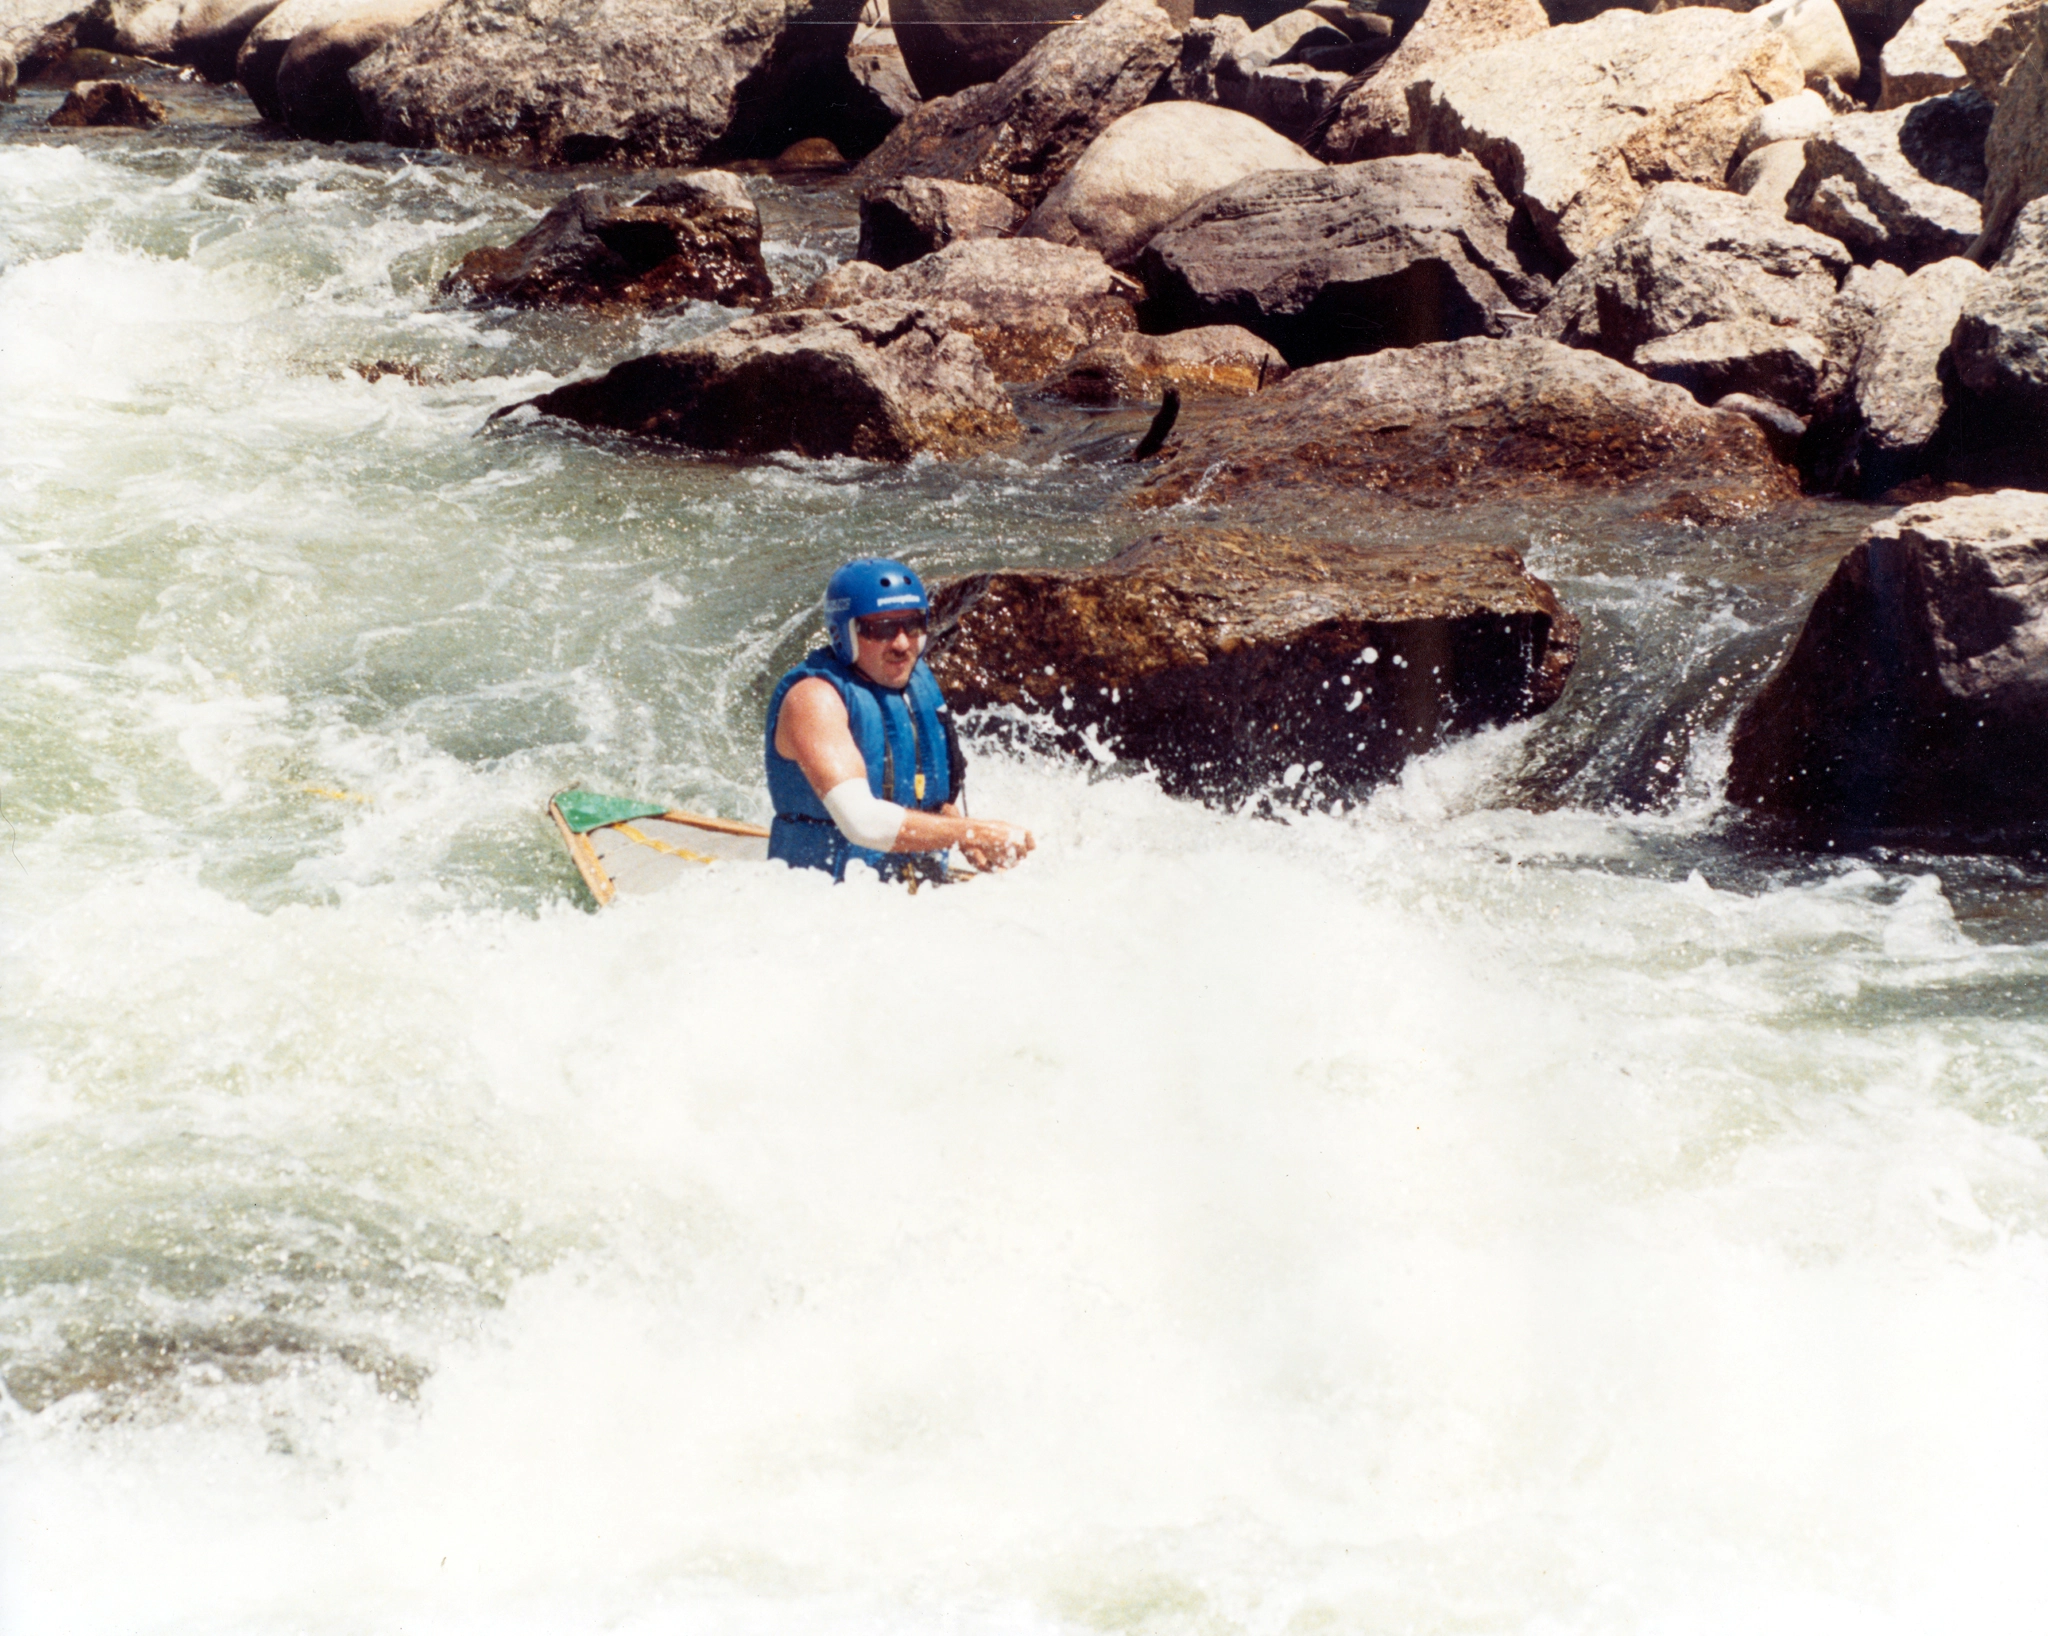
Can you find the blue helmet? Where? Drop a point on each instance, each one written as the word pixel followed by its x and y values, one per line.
pixel 869 585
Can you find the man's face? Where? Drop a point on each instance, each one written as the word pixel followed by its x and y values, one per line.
pixel 886 647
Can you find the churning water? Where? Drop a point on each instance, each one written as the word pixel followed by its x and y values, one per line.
pixel 1517 1204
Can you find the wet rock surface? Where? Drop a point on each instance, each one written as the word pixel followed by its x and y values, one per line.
pixel 103 103
pixel 1346 260
pixel 1577 123
pixel 697 238
pixel 1219 360
pixel 913 216
pixel 1022 133
pixel 1456 422
pixel 662 82
pixel 1901 186
pixel 1029 305
pixel 878 381
pixel 1916 696
pixel 1149 167
pixel 1233 662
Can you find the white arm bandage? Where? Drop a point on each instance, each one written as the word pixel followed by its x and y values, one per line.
pixel 863 817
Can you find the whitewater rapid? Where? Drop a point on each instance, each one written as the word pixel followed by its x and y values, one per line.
pixel 1515 1204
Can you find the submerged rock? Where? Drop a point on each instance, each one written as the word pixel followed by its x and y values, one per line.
pixel 697 238
pixel 1346 259
pixel 1029 305
pixel 1460 420
pixel 109 102
pixel 1021 134
pixel 1916 697
pixel 1233 662
pixel 878 381
pixel 913 216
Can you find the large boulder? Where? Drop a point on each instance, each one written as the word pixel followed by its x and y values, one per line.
pixel 1370 118
pixel 1865 293
pixel 1217 361
pixel 1461 421
pixel 315 96
pixel 1738 356
pixel 697 238
pixel 1577 123
pixel 1029 305
pixel 949 45
pixel 563 82
pixel 1948 44
pixel 203 33
pixel 1346 259
pixel 1998 431
pixel 1694 257
pixel 38 33
pixel 1793 119
pixel 913 216
pixel 1234 663
pixel 878 381
pixel 2016 151
pixel 262 53
pixel 1881 433
pixel 1151 165
pixel 1916 697
pixel 1819 38
pixel 876 61
pixel 1900 185
pixel 1022 133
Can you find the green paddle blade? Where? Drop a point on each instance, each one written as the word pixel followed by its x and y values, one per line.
pixel 582 811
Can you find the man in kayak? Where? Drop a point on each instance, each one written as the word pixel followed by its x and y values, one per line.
pixel 862 758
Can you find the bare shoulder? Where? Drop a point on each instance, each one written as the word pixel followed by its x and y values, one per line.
pixel 813 700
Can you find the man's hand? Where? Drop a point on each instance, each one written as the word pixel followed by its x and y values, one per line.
pixel 991 844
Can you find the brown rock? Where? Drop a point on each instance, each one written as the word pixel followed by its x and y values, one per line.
pixel 1459 421
pixel 878 381
pixel 1346 259
pixel 697 238
pixel 1370 119
pixel 1916 696
pixel 109 102
pixel 913 216
pixel 315 96
pixel 1021 134
pixel 948 45
pixel 1217 361
pixel 1235 662
pixel 1029 305
pixel 263 49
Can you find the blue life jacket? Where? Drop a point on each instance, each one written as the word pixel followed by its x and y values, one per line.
pixel 905 740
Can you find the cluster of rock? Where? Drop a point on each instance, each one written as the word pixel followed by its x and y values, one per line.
pixel 1417 252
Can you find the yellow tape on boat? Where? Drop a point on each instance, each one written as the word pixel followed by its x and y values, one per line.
pixel 635 836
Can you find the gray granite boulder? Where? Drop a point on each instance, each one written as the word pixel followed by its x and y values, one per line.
pixel 1901 185
pixel 1370 118
pixel 1217 361
pixel 206 34
pixel 949 45
pixel 1997 431
pixel 1693 256
pixel 1348 259
pixel 1738 357
pixel 1152 164
pixel 562 82
pixel 912 216
pixel 1022 133
pixel 1576 124
pixel 1765 176
pixel 2016 151
pixel 877 381
pixel 315 96
pixel 1882 430
pixel 1948 44
pixel 262 53
pixel 1916 697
